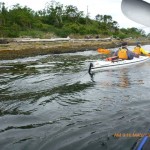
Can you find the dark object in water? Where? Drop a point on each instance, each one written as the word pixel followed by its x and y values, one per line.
pixel 90 66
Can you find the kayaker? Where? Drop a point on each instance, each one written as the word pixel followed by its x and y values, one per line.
pixel 139 50
pixel 124 53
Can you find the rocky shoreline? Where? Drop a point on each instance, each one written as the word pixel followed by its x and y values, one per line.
pixel 20 49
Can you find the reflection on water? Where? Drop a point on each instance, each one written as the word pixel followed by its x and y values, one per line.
pixel 124 79
pixel 51 102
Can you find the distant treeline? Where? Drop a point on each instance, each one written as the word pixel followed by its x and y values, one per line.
pixel 58 20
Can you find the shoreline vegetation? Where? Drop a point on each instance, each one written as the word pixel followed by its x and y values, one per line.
pixel 56 20
pixel 28 47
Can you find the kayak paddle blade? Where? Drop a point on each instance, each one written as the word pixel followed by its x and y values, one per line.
pixel 137 10
pixel 103 51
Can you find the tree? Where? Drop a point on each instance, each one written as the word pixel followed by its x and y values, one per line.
pixel 54 13
pixel 99 18
pixel 22 16
pixel 3 14
pixel 106 24
pixel 72 14
pixel 59 20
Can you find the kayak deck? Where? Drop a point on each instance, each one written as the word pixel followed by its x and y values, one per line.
pixel 108 65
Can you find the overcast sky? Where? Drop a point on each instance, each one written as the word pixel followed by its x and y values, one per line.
pixel 102 7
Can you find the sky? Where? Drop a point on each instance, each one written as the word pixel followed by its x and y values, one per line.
pixel 94 7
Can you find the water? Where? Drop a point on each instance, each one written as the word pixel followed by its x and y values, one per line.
pixel 51 103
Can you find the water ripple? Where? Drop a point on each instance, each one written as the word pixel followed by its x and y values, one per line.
pixel 51 102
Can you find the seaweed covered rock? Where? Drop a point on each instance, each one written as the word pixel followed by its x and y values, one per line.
pixel 4 41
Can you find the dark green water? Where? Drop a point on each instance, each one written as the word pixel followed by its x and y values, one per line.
pixel 52 103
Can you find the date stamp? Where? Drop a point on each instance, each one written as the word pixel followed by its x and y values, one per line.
pixel 119 135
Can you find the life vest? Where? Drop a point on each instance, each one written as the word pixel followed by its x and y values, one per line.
pixel 122 54
pixel 137 50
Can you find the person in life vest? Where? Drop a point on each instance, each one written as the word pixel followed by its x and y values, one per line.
pixel 139 50
pixel 124 53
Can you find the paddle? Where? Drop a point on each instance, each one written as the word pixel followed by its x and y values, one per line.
pixel 113 58
pixel 106 51
pixel 103 51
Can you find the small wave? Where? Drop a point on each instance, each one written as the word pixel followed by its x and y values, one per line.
pixel 5 67
pixel 40 66
pixel 23 60
pixel 29 126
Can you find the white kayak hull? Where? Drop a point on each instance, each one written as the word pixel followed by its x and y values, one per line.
pixel 108 65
